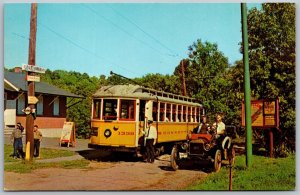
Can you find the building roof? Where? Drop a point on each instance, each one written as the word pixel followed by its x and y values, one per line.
pixel 136 91
pixel 17 82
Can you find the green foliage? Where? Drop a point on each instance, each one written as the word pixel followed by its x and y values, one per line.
pixel 167 83
pixel 206 72
pixel 80 84
pixel 272 55
pixel 265 174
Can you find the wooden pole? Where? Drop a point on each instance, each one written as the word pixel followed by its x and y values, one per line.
pixel 30 84
pixel 183 78
pixel 271 146
pixel 230 177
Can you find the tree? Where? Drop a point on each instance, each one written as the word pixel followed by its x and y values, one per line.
pixel 205 74
pixel 272 57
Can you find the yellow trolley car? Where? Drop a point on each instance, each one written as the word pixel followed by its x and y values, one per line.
pixel 120 114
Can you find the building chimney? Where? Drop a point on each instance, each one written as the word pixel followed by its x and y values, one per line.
pixel 18 70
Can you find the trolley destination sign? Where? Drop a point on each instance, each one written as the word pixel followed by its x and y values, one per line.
pixel 32 68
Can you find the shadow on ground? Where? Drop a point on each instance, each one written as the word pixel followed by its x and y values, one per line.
pixel 107 156
pixel 190 165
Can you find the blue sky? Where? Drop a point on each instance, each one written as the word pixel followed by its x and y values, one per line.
pixel 129 39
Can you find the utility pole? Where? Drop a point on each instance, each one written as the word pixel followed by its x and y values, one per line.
pixel 30 84
pixel 183 86
pixel 247 87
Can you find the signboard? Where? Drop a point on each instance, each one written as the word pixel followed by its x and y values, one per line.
pixel 68 134
pixel 32 100
pixel 264 113
pixel 33 78
pixel 32 68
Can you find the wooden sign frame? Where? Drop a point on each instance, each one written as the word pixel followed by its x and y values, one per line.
pixel 68 134
pixel 264 113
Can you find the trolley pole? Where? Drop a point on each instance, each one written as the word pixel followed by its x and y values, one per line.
pixel 247 89
pixel 183 88
pixel 30 84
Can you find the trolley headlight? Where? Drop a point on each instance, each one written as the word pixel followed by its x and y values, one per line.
pixel 107 133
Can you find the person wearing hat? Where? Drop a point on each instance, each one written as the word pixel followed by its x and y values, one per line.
pixel 37 135
pixel 203 126
pixel 16 138
pixel 151 136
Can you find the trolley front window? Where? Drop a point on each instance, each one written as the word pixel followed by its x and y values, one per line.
pixel 97 109
pixel 127 110
pixel 110 109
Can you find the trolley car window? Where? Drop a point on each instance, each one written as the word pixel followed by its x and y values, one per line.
pixel 168 113
pixel 179 117
pixel 184 114
pixel 174 113
pixel 162 112
pixel 110 109
pixel 154 111
pixel 97 108
pixel 127 110
pixel 198 114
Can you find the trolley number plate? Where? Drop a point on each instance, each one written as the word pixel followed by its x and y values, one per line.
pixel 125 133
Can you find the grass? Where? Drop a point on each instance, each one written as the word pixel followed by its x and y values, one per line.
pixel 264 175
pixel 21 166
pixel 45 153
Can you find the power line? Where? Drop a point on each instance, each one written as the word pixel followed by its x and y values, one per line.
pixel 117 26
pixel 148 34
pixel 22 36
pixel 82 48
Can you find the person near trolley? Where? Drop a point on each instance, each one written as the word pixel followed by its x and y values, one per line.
pixel 203 127
pixel 150 137
pixel 222 140
pixel 219 126
pixel 37 135
pixel 16 138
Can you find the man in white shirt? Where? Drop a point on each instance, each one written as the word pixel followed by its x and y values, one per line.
pixel 219 125
pixel 151 137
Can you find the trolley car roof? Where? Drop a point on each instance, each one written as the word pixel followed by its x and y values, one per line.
pixel 136 91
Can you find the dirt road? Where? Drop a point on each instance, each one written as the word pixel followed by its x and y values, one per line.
pixel 106 173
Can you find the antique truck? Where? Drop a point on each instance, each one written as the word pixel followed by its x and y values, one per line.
pixel 204 147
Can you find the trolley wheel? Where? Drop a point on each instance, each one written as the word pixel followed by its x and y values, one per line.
pixel 217 161
pixel 174 158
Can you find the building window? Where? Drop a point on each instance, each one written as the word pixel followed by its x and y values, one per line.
pixel 40 106
pixel 56 107
pixel 21 104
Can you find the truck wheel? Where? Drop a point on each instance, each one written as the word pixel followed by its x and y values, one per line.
pixel 174 158
pixel 217 161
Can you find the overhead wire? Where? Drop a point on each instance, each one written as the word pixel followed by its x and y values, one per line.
pixel 122 29
pixel 83 48
pixel 173 54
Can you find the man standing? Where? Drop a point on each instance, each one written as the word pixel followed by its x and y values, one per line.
pixel 151 136
pixel 37 135
pixel 16 138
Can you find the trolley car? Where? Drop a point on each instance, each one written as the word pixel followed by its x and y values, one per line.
pixel 120 114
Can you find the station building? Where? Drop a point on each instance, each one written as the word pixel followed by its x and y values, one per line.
pixel 51 107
